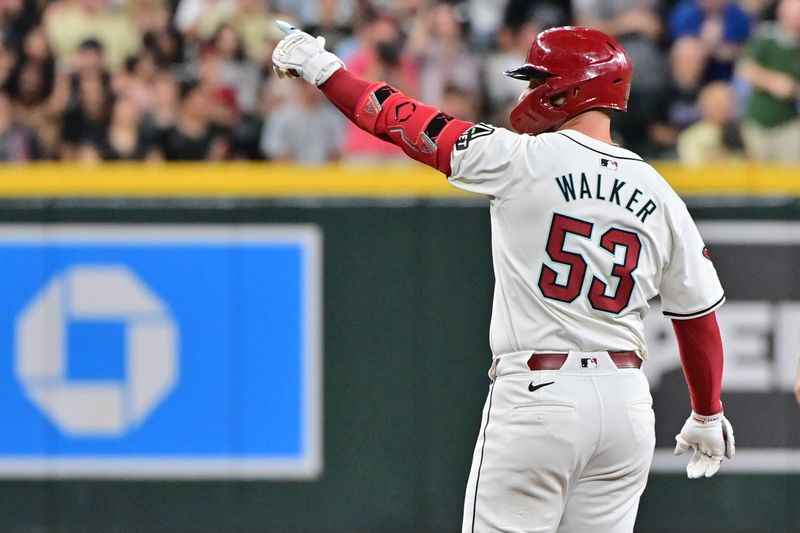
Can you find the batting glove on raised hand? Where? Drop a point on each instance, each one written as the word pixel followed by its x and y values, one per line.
pixel 301 55
pixel 711 438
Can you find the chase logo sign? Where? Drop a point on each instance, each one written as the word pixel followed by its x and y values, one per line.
pixel 160 351
pixel 96 295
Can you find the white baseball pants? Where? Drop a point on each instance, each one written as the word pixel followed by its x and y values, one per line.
pixel 567 457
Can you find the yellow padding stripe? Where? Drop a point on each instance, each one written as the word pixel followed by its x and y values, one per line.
pixel 231 179
pixel 280 180
pixel 733 179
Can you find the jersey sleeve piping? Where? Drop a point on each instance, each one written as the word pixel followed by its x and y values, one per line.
pixel 696 314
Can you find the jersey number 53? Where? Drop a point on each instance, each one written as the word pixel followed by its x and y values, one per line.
pixel 611 239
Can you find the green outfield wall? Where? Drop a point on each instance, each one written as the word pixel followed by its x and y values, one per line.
pixel 407 299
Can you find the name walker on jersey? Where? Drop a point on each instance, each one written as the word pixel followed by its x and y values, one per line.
pixel 612 190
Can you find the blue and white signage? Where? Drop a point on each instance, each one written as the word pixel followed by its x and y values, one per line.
pixel 160 351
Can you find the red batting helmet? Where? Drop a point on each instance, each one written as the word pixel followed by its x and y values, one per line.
pixel 581 69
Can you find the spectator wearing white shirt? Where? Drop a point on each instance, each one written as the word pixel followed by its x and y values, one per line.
pixel 305 129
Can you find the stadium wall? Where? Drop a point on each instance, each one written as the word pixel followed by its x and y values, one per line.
pixel 407 286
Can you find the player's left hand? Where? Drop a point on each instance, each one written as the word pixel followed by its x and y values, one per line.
pixel 711 438
pixel 301 55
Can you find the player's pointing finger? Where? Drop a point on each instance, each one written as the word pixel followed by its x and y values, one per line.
pixel 285 27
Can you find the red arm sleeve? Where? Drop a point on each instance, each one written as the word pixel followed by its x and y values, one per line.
pixel 700 346
pixel 423 132
pixel 344 90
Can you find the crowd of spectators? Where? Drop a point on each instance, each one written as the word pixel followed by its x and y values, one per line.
pixel 91 80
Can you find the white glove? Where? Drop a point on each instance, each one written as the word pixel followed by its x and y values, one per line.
pixel 299 54
pixel 711 438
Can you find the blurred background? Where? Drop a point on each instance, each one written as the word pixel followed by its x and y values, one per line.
pixel 189 80
pixel 226 309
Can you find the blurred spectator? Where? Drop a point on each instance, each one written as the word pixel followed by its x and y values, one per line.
pixel 677 104
pixel 17 143
pixel 166 45
pixel 771 66
pixel 17 19
pixel 234 68
pixel 253 23
pixel 163 114
pixel 720 24
pixel 123 140
pixel 242 129
pixel 486 17
pixel 147 15
pixel 620 18
pixel 137 79
pixel 758 9
pixel 191 14
pixel 39 98
pixel 380 56
pixel 546 13
pixel 86 120
pixel 31 81
pixel 717 136
pixel 193 137
pixel 305 129
pixel 513 43
pixel 437 42
pixel 71 22
pixel 637 26
pixel 35 46
pixel 89 58
pixel 311 12
pixel 330 23
pixel 461 103
pixel 8 63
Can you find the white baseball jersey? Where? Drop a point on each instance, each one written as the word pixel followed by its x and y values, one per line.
pixel 583 235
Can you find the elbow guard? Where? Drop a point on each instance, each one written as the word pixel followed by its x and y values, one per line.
pixel 422 131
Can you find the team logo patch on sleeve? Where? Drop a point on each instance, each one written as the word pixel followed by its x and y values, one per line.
pixel 475 132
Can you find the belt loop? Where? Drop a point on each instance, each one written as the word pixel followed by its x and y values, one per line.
pixel 493 368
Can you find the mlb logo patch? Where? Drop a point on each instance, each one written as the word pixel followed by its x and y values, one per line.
pixel 589 362
pixel 609 164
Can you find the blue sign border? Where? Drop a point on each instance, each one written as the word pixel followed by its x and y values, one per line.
pixel 306 466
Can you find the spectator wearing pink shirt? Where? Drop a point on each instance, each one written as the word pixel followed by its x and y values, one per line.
pixel 380 57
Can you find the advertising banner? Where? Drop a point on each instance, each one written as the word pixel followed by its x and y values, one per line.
pixel 160 351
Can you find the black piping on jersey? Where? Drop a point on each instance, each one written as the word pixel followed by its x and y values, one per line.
pixel 598 151
pixel 480 463
pixel 696 313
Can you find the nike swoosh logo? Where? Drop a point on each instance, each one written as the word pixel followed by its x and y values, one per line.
pixel 533 387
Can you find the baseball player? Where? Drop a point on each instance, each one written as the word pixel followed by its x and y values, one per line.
pixel 584 233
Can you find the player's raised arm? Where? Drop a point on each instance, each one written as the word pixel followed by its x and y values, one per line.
pixel 422 131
